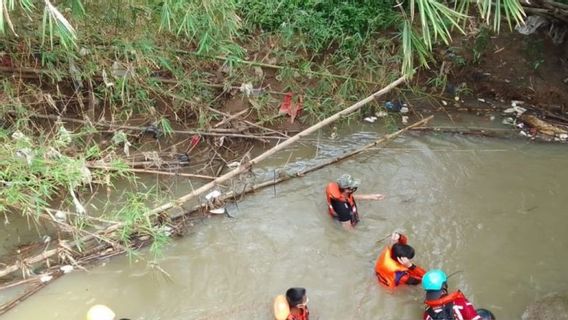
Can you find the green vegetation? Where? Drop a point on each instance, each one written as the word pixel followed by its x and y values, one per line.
pixel 174 64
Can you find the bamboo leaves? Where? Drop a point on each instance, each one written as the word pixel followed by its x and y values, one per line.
pixel 438 20
pixel 210 24
pixel 54 23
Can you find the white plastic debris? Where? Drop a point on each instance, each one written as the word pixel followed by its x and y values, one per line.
pixel 84 51
pixel 370 119
pixel 563 136
pixel 17 135
pixel 233 164
pixel 86 175
pixel 53 154
pixel 480 100
pixel 381 114
pixel 45 278
pixel 444 103
pixel 404 119
pixel 217 211
pixel 107 82
pixel 66 268
pixel 213 195
pixel 457 98
pixel 508 121
pixel 117 70
pixel 78 206
pixel 532 23
pixel 492 117
pixel 26 154
pixel 247 88
pixel 64 136
pixel 60 216
pixel 516 110
pixel 404 110
pixel 522 133
pixel 515 103
pixel 168 230
pixel 126 148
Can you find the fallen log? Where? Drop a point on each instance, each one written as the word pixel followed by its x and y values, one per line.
pixel 542 126
pixel 477 132
pixel 230 195
pixel 248 165
pixel 98 251
pixel 233 195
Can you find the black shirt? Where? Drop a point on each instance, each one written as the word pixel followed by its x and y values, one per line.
pixel 344 211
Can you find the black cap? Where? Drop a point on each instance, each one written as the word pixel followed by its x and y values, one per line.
pixel 295 296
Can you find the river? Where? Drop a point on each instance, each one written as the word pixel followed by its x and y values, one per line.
pixel 492 209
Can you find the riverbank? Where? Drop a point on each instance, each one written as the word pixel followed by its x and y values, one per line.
pixel 76 137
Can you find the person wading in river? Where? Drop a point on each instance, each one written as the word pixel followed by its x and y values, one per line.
pixel 298 302
pixel 441 305
pixel 341 200
pixel 394 266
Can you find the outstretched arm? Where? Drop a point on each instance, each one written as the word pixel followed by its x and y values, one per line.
pixel 374 196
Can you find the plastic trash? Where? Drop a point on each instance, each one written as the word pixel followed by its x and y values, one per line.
pixel 45 278
pixel 370 119
pixel 213 195
pixel 60 216
pixel 218 211
pixel 66 268
pixel 393 106
pixel 404 110
pixel 532 23
pixel 404 119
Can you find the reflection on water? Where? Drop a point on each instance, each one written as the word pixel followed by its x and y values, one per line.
pixel 492 209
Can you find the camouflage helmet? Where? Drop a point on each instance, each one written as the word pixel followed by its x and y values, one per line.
pixel 346 181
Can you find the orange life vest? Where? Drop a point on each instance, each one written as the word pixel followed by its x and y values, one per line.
pixel 386 268
pixel 445 299
pixel 332 192
pixel 304 315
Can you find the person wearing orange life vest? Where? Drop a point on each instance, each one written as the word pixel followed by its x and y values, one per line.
pixel 441 305
pixel 394 266
pixel 298 302
pixel 341 200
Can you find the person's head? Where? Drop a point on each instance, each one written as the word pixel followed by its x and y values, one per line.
pixel 100 312
pixel 485 314
pixel 297 297
pixel 400 250
pixel 435 282
pixel 346 183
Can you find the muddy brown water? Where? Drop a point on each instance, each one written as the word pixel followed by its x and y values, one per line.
pixel 493 209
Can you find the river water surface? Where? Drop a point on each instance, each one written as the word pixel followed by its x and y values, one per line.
pixel 493 209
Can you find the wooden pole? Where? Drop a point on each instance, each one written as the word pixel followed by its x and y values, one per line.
pixel 247 165
pixel 240 169
pixel 339 158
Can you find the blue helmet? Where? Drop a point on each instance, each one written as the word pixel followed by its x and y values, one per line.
pixel 434 280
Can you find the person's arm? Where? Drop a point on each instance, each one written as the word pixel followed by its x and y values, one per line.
pixel 398 238
pixel 467 310
pixel 413 276
pixel 374 196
